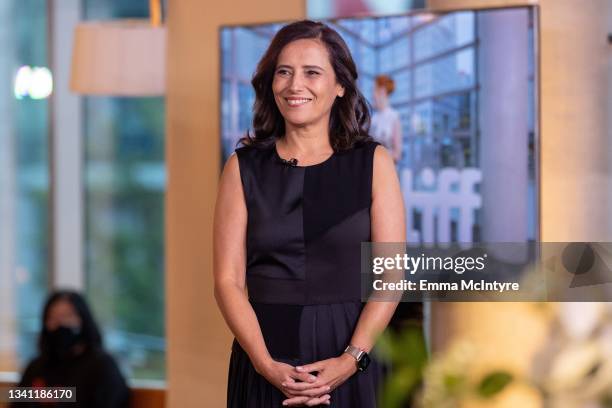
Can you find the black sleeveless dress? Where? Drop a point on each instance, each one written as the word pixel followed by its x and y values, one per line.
pixel 304 233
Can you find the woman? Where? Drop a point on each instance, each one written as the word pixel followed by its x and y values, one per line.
pixel 386 124
pixel 293 207
pixel 71 355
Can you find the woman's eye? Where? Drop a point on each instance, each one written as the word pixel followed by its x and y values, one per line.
pixel 312 73
pixel 282 72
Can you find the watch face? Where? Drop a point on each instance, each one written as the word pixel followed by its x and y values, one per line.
pixel 364 362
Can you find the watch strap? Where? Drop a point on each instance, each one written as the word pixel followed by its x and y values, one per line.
pixel 356 352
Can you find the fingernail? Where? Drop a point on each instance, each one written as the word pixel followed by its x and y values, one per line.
pixel 284 403
pixel 299 368
pixel 284 384
pixel 313 378
pixel 328 388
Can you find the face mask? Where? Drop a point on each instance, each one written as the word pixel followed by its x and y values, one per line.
pixel 62 340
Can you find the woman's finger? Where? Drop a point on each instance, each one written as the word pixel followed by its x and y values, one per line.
pixel 295 401
pixel 309 368
pixel 288 380
pixel 301 385
pixel 308 401
pixel 323 399
pixel 304 377
pixel 300 389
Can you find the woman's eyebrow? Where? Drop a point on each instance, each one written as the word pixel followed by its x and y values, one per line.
pixel 303 66
pixel 312 66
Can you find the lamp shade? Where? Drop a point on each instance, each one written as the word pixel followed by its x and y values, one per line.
pixel 119 58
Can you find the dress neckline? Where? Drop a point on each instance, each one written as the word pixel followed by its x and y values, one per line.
pixel 304 167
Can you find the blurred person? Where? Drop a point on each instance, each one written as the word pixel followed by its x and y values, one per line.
pixel 294 205
pixel 71 355
pixel 386 125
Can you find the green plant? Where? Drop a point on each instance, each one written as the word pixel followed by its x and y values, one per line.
pixel 407 355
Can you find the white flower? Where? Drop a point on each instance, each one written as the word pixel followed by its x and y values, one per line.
pixel 581 319
pixel 572 366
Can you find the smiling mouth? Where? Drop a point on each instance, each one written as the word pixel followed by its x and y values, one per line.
pixel 297 101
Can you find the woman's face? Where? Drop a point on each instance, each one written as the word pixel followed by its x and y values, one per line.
pixel 380 97
pixel 62 313
pixel 304 84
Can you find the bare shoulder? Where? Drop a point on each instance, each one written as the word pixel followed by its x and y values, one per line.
pixel 381 153
pixel 387 211
pixel 230 184
pixel 231 169
pixel 384 166
pixel 231 163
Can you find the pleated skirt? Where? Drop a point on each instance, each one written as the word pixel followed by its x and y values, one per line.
pixel 299 335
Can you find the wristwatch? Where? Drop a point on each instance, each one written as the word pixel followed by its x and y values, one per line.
pixel 363 359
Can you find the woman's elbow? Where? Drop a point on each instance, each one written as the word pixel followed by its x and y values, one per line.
pixel 222 288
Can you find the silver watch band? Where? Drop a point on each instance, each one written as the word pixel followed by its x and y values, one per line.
pixel 356 352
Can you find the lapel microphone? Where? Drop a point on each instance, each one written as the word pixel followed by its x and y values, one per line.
pixel 291 162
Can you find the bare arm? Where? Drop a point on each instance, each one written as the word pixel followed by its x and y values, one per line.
pixel 388 225
pixel 229 265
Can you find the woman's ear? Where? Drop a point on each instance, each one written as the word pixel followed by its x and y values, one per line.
pixel 341 92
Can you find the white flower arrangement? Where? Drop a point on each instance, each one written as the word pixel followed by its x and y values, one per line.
pixel 574 369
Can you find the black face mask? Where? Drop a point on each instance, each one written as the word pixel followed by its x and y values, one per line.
pixel 62 341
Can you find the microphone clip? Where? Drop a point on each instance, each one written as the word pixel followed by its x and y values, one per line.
pixel 291 162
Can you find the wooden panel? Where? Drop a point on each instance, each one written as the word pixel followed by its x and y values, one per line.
pixel 147 398
pixel 576 170
pixel 3 387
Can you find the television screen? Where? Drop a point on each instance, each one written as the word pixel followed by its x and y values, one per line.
pixel 453 98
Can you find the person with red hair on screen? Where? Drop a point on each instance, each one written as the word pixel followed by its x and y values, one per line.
pixel 386 125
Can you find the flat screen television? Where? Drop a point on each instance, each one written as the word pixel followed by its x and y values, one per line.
pixel 465 97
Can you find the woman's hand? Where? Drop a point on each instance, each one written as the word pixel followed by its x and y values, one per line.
pixel 282 375
pixel 330 374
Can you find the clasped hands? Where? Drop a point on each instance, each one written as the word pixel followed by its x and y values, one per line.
pixel 310 385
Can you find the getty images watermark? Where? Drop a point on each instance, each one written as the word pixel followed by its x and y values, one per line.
pixel 508 271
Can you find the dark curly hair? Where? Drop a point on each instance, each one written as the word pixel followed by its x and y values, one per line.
pixel 350 115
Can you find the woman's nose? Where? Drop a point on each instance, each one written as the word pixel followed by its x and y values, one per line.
pixel 297 82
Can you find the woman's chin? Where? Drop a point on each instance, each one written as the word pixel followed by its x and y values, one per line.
pixel 299 122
